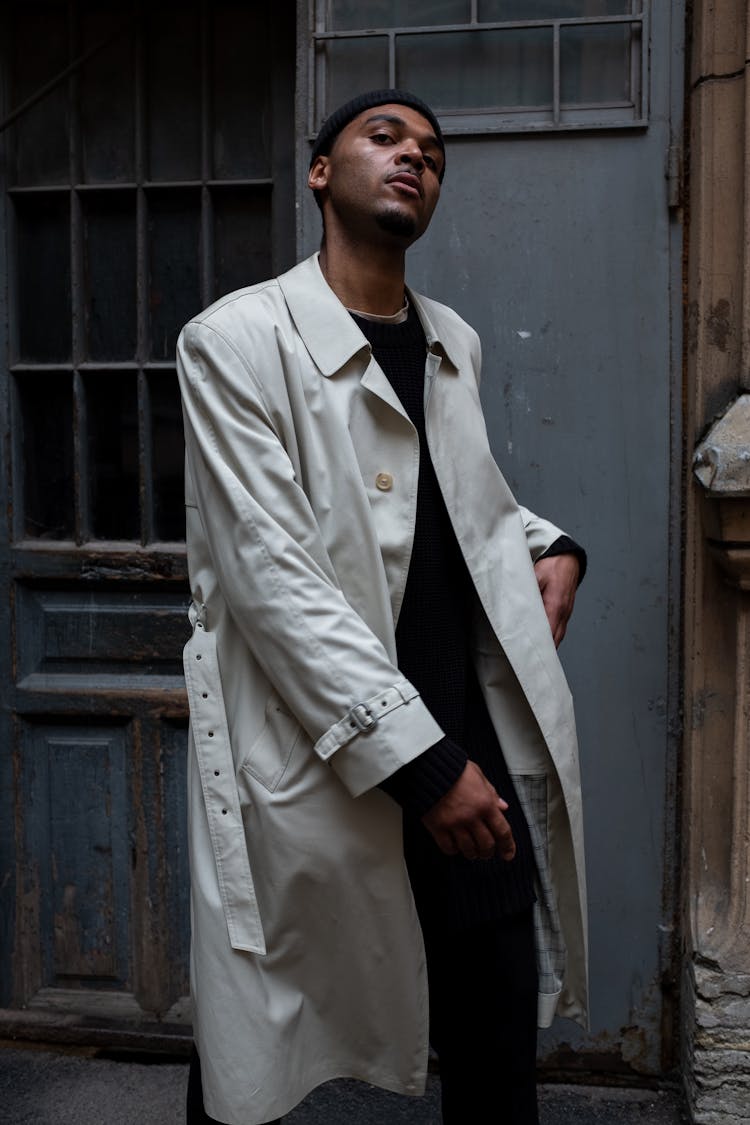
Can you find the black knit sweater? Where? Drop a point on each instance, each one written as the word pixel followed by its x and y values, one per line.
pixel 433 645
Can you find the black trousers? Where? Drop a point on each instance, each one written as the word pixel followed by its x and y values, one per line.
pixel 483 1000
pixel 483 1013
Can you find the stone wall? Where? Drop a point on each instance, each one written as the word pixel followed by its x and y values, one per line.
pixel 716 765
pixel 717 1071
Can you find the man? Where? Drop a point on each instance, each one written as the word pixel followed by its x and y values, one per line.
pixel 370 651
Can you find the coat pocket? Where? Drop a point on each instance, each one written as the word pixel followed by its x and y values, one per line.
pixel 268 758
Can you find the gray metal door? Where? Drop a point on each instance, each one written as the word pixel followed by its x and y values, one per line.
pixel 558 239
pixel 146 170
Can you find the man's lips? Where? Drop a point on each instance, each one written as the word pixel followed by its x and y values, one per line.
pixel 408 180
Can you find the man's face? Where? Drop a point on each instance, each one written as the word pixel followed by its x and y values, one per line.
pixel 382 175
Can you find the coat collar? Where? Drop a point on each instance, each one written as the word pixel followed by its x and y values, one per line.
pixel 331 335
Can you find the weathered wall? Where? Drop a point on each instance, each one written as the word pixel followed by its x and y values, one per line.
pixel 716 795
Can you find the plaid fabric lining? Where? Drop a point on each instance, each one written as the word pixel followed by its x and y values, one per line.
pixel 550 945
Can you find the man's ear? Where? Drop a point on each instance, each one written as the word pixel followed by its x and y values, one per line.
pixel 318 176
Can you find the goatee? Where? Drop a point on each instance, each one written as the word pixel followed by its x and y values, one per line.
pixel 396 222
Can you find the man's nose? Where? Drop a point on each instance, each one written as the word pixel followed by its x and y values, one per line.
pixel 411 153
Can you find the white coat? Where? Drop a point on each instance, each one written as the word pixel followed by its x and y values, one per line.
pixel 301 485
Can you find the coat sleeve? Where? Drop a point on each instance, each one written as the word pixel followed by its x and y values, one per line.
pixel 540 533
pixel 274 573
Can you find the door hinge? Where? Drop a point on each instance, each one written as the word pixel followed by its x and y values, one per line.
pixel 674 177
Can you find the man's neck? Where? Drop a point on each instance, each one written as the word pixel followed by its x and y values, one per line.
pixel 370 279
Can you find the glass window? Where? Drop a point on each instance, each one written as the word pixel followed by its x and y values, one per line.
pixel 242 78
pixel 355 65
pixel 174 291
pixel 167 456
pixel 106 102
pixel 595 64
pixel 347 15
pixel 464 70
pixel 112 424
pixel 109 275
pixel 521 64
pixel 242 234
pixel 492 10
pixel 43 289
pixel 45 454
pixel 173 60
pixel 156 175
pixel 41 136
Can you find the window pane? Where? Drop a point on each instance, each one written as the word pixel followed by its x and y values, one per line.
pixel 112 423
pixel 498 10
pixel 174 281
pixel 354 65
pixel 174 92
pixel 106 96
pixel 43 277
pixel 595 64
pixel 109 279
pixel 242 238
pixel 167 456
pixel 46 461
pixel 351 15
pixel 242 77
pixel 40 51
pixel 478 69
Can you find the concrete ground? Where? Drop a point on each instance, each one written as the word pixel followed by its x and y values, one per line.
pixel 75 1087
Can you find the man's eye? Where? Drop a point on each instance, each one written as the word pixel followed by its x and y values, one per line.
pixel 430 161
pixel 381 138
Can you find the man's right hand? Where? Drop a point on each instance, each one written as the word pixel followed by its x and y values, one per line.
pixel 468 820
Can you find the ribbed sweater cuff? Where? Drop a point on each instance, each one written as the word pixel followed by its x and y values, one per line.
pixel 564 545
pixel 421 783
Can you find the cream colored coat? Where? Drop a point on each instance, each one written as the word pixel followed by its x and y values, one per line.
pixel 307 959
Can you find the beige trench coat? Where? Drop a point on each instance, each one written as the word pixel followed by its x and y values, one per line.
pixel 307 960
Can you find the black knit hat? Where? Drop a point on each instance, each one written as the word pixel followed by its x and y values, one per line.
pixel 341 117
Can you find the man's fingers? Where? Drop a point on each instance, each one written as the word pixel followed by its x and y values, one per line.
pixel 558 617
pixel 479 841
pixel 466 844
pixel 484 843
pixel 558 581
pixel 502 835
pixel 445 841
pixel 468 820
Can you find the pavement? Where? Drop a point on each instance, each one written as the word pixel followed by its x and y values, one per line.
pixel 82 1086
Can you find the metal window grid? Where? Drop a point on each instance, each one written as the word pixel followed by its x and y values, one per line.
pixel 490 119
pixel 76 190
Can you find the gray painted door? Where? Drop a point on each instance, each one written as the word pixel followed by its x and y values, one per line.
pixel 560 247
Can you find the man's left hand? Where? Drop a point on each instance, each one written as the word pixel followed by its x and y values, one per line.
pixel 558 581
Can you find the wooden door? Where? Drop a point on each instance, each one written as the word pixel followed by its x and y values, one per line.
pixel 148 171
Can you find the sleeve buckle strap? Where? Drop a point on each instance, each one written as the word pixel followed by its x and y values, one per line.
pixel 364 717
pixel 361 717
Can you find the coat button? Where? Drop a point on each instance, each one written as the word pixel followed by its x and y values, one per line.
pixel 384 481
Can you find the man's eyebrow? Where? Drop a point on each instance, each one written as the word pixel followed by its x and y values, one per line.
pixel 392 119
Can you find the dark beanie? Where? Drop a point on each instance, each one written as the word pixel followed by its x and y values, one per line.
pixel 341 117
